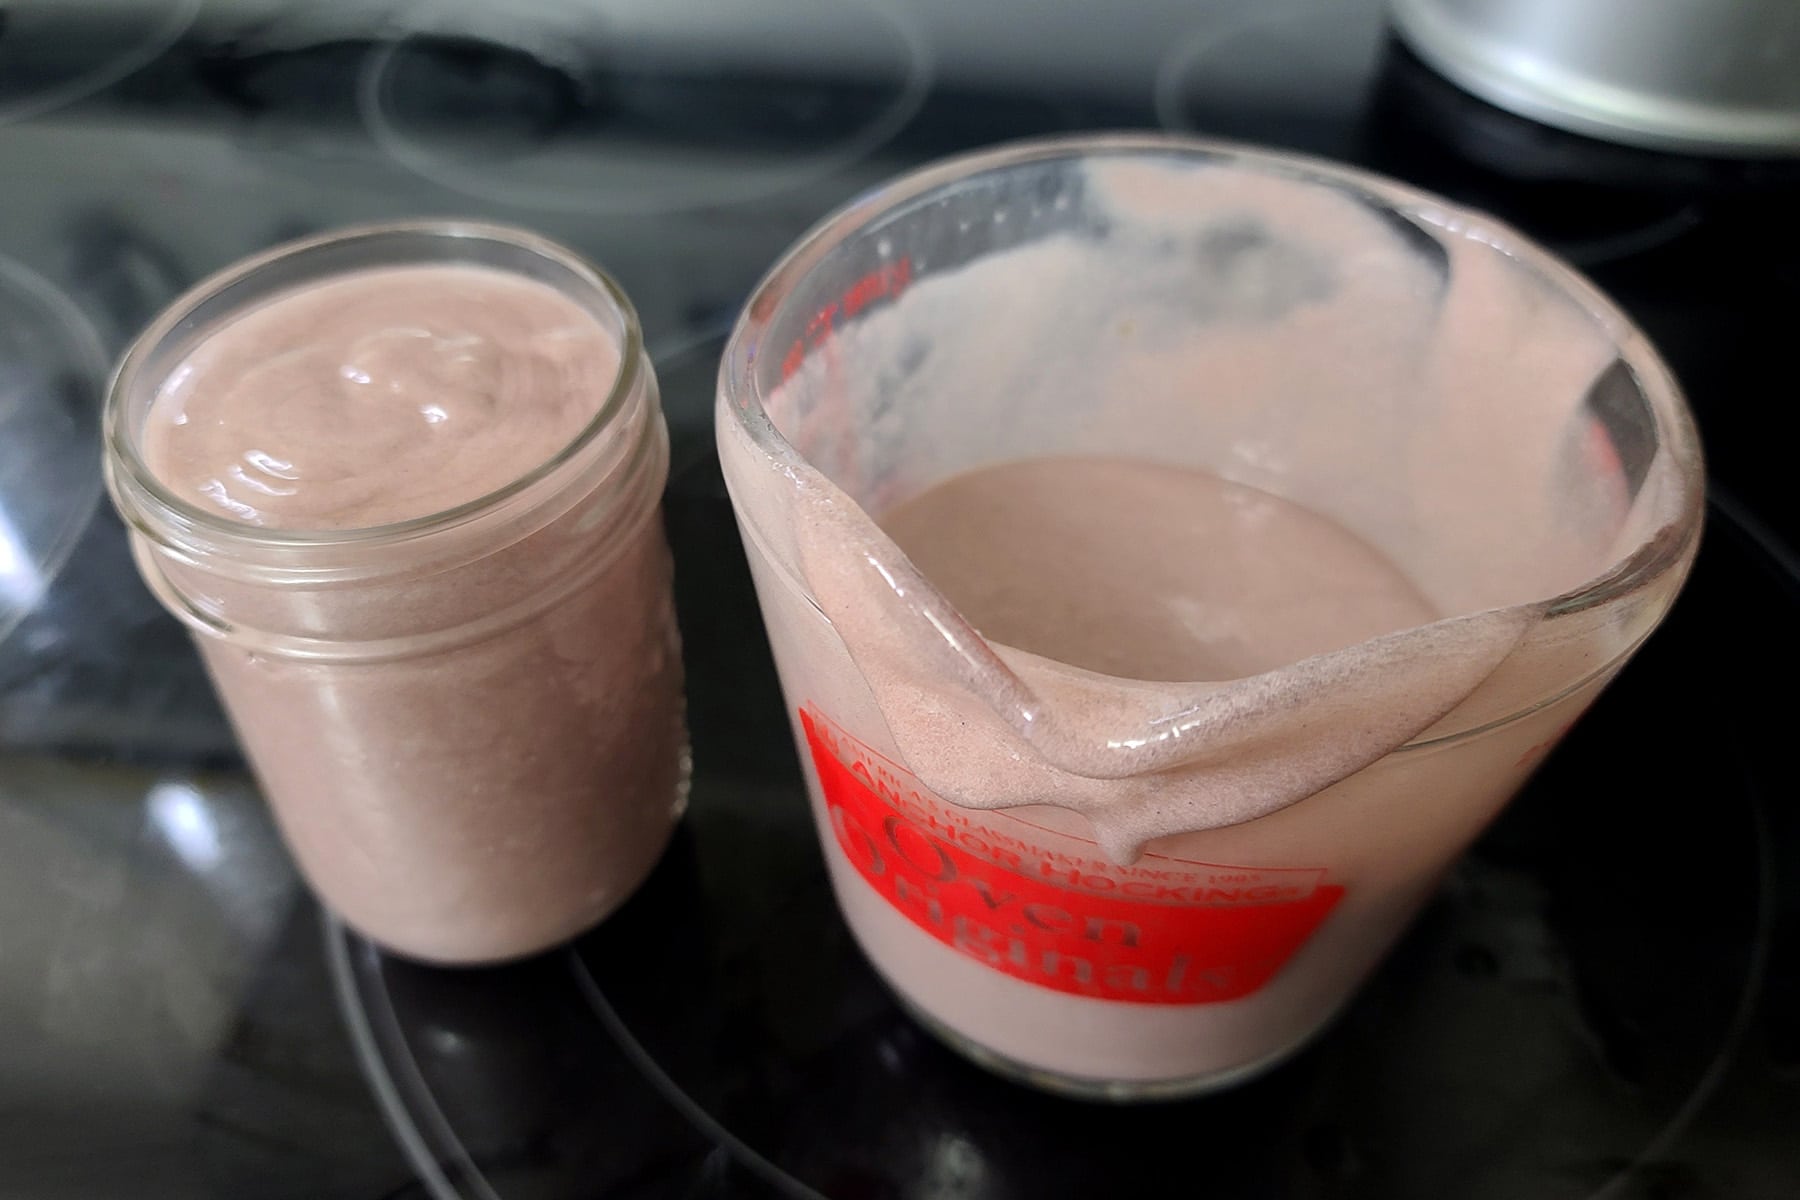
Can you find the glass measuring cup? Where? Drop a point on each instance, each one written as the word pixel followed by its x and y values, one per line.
pixel 1128 888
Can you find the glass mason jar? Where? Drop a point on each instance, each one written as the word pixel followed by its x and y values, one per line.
pixel 1005 925
pixel 469 725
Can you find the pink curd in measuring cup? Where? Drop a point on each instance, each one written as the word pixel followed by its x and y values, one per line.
pixel 1127 769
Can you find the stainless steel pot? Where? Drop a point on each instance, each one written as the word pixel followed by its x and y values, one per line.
pixel 1701 76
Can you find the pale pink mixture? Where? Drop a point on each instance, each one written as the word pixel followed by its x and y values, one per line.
pixel 387 394
pixel 1146 571
pixel 473 739
pixel 1186 530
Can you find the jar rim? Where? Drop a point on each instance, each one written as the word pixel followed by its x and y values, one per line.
pixel 184 516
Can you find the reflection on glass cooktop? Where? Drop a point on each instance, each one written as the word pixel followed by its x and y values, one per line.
pixel 53 53
pixel 617 108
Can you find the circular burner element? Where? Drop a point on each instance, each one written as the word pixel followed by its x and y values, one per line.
pixel 54 52
pixel 1550 1028
pixel 617 108
pixel 1289 73
pixel 51 371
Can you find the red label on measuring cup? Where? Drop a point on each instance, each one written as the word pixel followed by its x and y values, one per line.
pixel 884 282
pixel 1051 910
